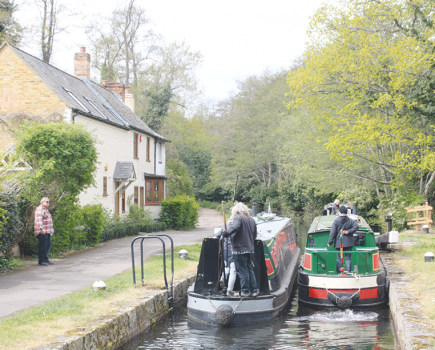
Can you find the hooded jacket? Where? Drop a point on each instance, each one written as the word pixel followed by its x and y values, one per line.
pixel 343 222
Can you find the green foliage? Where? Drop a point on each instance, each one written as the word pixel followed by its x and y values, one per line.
pixel 137 222
pixel 263 195
pixel 10 29
pixel 62 159
pixel 179 180
pixel 93 222
pixel 364 77
pixel 67 223
pixel 364 199
pixel 198 163
pixel 158 107
pixel 395 206
pixel 10 224
pixel 179 212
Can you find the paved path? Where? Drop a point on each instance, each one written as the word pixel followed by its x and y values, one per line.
pixel 36 284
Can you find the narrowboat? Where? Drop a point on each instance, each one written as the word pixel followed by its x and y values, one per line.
pixel 276 263
pixel 321 286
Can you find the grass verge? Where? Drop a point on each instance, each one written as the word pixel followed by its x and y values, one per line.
pixel 411 260
pixel 43 324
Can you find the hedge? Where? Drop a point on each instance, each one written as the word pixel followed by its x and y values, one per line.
pixel 179 213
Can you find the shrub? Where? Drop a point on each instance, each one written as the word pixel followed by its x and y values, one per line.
pixel 395 206
pixel 93 222
pixel 9 227
pixel 67 222
pixel 179 212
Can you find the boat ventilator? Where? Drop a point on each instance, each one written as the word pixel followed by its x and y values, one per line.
pixel 158 236
pixel 342 299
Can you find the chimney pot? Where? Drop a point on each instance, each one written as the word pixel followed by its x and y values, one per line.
pixel 82 49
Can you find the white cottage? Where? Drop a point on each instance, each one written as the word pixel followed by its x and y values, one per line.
pixel 131 155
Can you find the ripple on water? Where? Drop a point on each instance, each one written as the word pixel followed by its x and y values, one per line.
pixel 298 328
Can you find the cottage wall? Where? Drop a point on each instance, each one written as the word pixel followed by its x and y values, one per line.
pixel 116 145
pixel 23 95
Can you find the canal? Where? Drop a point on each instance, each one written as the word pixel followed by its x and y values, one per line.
pixel 296 328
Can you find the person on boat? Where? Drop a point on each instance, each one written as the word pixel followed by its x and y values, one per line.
pixel 346 227
pixel 230 266
pixel 335 206
pixel 243 234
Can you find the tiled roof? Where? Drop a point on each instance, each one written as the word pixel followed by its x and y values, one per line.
pixel 124 171
pixel 87 97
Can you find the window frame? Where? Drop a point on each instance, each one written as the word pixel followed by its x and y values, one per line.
pixel 148 148
pixel 105 193
pixel 152 192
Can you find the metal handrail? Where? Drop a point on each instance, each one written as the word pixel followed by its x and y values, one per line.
pixel 172 260
pixel 158 236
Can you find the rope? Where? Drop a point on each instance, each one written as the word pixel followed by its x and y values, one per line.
pixel 234 311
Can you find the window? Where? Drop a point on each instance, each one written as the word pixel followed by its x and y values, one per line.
pixel 105 186
pixel 153 191
pixel 136 195
pixel 117 116
pixel 159 152
pixel 135 146
pixel 148 149
pixel 77 100
pixel 95 107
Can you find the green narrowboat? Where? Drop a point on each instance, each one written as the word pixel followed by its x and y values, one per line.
pixel 321 286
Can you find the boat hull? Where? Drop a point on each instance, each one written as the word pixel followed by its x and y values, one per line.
pixel 204 308
pixel 323 291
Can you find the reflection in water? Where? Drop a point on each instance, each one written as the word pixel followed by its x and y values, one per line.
pixel 298 328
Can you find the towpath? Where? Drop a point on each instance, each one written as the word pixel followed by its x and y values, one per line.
pixel 35 284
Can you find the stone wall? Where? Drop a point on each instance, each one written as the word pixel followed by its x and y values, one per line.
pixel 411 329
pixel 132 318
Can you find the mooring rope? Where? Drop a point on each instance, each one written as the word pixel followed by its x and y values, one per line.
pixel 234 311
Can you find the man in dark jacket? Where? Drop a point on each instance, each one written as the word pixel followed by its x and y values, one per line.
pixel 346 227
pixel 243 234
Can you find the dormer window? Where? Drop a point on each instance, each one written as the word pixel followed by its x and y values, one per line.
pixel 78 101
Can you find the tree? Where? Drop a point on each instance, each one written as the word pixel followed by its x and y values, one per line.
pixel 10 30
pixel 61 157
pixel 361 76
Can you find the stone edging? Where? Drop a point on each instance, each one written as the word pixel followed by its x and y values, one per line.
pixel 411 329
pixel 110 332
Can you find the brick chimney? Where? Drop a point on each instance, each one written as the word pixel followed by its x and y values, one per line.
pixel 82 64
pixel 129 99
pixel 118 88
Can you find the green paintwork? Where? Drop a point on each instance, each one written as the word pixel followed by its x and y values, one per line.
pixel 321 254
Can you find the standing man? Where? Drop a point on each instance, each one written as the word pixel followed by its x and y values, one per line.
pixel 43 230
pixel 243 233
pixel 345 226
pixel 335 206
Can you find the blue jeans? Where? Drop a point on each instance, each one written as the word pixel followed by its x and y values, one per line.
pixel 44 244
pixel 347 260
pixel 245 270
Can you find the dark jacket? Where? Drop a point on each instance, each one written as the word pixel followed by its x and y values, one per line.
pixel 242 233
pixel 342 222
pixel 228 254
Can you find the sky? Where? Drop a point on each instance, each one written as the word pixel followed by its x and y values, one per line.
pixel 237 38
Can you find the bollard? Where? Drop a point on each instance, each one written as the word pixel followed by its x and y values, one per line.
pixel 428 257
pixel 98 285
pixel 183 254
pixel 425 228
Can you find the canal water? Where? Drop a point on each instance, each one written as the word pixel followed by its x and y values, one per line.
pixel 296 328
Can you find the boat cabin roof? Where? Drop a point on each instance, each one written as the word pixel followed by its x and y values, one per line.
pixel 269 225
pixel 322 223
